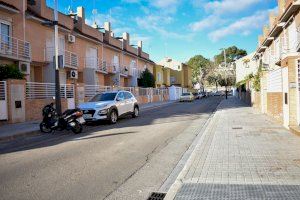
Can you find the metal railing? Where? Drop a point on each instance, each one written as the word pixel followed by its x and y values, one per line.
pixel 3 90
pixel 14 48
pixel 124 70
pixel 95 63
pixel 112 67
pixel 70 58
pixel 36 90
pixel 92 90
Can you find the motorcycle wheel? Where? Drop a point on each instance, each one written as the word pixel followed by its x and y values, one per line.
pixel 77 128
pixel 44 128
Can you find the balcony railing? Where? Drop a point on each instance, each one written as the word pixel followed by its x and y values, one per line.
pixel 124 70
pixel 14 48
pixel 70 58
pixel 96 63
pixel 112 67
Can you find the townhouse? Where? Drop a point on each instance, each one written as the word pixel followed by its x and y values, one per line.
pixel 91 55
pixel 278 55
pixel 171 72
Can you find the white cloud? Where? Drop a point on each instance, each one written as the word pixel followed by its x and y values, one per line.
pixel 206 23
pixel 156 23
pixel 242 26
pixel 229 6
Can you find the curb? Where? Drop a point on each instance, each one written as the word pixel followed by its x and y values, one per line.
pixel 20 135
pixel 37 131
pixel 171 194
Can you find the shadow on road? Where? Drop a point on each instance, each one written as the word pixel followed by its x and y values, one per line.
pixel 166 114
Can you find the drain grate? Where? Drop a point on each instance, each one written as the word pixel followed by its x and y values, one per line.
pixel 237 128
pixel 157 196
pixel 200 191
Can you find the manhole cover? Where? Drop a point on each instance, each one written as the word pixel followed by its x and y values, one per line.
pixel 157 196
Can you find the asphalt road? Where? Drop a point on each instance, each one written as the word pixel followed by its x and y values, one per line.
pixel 123 161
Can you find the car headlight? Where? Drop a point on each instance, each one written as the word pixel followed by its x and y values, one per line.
pixel 103 112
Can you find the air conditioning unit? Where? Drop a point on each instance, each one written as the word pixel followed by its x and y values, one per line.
pixel 24 67
pixel 71 38
pixel 73 74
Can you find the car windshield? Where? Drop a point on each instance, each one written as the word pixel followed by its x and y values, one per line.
pixel 104 97
pixel 186 94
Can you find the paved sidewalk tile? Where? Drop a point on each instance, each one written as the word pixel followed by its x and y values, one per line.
pixel 243 147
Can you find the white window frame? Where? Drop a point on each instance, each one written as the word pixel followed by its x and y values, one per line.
pixel 10 29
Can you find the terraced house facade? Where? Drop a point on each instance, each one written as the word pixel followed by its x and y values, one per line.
pixel 279 55
pixel 91 55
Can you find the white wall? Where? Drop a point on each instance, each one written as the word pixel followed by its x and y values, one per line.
pixel 242 69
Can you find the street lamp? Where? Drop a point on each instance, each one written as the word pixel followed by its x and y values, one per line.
pixel 225 61
pixel 57 84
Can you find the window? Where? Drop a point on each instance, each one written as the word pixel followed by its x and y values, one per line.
pixel 121 96
pixel 158 76
pixel 5 31
pixel 128 95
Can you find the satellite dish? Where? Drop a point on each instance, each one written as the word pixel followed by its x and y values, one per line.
pixel 94 11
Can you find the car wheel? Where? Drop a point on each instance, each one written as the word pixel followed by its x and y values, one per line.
pixel 136 112
pixel 113 117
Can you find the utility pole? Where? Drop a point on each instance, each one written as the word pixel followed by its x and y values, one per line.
pixel 57 84
pixel 225 60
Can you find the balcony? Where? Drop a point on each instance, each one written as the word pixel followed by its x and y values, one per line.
pixel 124 70
pixel 14 48
pixel 96 64
pixel 70 58
pixel 112 67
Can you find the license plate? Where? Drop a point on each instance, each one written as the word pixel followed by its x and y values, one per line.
pixel 87 116
pixel 81 120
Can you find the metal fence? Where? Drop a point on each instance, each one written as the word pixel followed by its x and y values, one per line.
pixel 91 90
pixel 36 90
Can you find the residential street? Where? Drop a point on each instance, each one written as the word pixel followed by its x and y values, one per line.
pixel 130 159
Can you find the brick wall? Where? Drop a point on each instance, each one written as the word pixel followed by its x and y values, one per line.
pixel 274 105
pixel 293 100
pixel 33 108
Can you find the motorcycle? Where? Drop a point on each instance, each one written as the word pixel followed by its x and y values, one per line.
pixel 71 119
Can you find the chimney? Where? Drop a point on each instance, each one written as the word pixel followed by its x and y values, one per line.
pixel 80 17
pixel 281 6
pixel 126 40
pixel 107 33
pixel 140 47
pixel 81 13
pixel 107 26
pixel 272 19
pixel 266 31
pixel 260 40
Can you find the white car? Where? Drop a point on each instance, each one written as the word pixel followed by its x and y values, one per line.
pixel 110 106
pixel 186 96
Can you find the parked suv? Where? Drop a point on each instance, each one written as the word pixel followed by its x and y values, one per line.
pixel 110 106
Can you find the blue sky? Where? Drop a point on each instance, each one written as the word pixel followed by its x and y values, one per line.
pixel 181 28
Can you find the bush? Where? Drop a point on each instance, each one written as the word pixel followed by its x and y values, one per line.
pixel 147 79
pixel 10 72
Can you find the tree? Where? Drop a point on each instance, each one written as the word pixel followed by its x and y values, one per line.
pixel 232 54
pixel 213 79
pixel 200 69
pixel 147 79
pixel 10 71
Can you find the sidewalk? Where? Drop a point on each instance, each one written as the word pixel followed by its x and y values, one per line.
pixel 12 131
pixel 241 155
